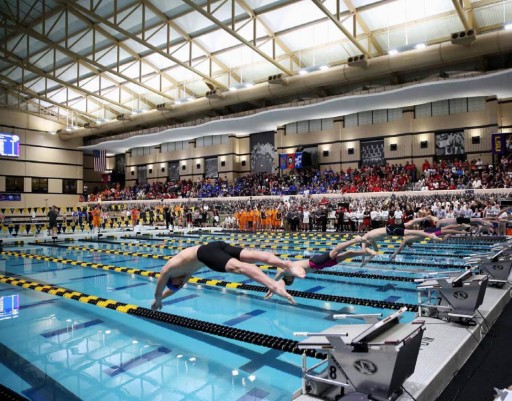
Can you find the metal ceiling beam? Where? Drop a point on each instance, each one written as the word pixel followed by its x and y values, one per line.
pixel 135 38
pixel 461 14
pixel 94 66
pixel 186 36
pixel 130 51
pixel 363 26
pixel 35 95
pixel 15 60
pixel 338 24
pixel 237 36
pixel 271 34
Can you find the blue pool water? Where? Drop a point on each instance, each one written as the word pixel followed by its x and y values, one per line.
pixel 54 348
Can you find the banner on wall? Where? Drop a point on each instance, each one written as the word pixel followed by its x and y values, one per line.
pixel 291 160
pixel 262 152
pixel 372 153
pixel 142 174
pixel 450 144
pixel 211 167
pixel 10 197
pixel 173 170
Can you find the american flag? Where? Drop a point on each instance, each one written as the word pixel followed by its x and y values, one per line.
pixel 100 160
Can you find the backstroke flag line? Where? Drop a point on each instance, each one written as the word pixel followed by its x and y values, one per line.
pixel 100 160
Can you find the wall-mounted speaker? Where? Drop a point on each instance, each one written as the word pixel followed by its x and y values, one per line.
pixel 393 147
pixel 424 144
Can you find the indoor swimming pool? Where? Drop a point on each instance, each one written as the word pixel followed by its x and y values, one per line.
pixel 67 330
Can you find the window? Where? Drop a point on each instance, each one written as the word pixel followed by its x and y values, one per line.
pixel 380 116
pixel 395 114
pixel 440 108
pixel 476 103
pixel 173 146
pixel 365 118
pixel 69 187
pixel 291 128
pixel 327 123
pixel 40 185
pixel 144 151
pixel 351 120
pixel 315 125
pixel 14 184
pixel 423 110
pixel 458 105
pixel 302 127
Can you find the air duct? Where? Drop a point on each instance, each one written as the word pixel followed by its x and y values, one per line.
pixel 438 55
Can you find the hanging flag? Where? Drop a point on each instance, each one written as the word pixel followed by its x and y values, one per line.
pixel 100 160
pixel 290 161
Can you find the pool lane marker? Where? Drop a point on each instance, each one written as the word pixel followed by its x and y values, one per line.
pixel 269 244
pixel 281 255
pixel 278 343
pixel 226 284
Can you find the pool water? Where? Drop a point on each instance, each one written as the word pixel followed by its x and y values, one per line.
pixel 56 348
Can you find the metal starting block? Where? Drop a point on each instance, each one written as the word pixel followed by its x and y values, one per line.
pixel 497 266
pixel 365 362
pixel 453 298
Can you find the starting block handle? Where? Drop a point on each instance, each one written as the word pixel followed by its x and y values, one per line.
pixel 362 315
pixel 306 334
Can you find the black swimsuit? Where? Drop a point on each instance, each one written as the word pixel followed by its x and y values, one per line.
pixel 395 229
pixel 216 255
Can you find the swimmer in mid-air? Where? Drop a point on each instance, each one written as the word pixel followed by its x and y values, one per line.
pixel 224 258
pixel 444 233
pixel 323 260
pixel 400 230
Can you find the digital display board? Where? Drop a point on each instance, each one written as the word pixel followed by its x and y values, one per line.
pixel 9 306
pixel 9 145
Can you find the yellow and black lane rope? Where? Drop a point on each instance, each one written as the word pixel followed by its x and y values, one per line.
pixel 278 343
pixel 281 255
pixel 225 284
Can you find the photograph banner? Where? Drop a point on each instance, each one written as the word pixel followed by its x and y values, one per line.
pixel 262 152
pixel 173 170
pixel 372 153
pixel 211 168
pixel 450 144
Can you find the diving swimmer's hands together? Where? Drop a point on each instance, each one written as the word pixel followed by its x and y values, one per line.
pixel 156 305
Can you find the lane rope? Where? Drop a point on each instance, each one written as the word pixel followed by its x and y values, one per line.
pixel 277 343
pixel 227 284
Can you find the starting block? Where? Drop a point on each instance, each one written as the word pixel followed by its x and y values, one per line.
pixel 365 362
pixel 454 298
pixel 497 266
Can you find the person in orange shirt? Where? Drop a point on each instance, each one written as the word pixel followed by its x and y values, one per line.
pixel 243 220
pixel 135 217
pixel 96 218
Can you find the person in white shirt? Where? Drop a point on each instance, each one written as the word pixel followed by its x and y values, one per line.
pixel 398 216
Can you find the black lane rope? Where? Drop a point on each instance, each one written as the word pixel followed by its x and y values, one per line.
pixel 166 257
pixel 6 394
pixel 264 340
pixel 220 283
pixel 270 244
pixel 265 267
